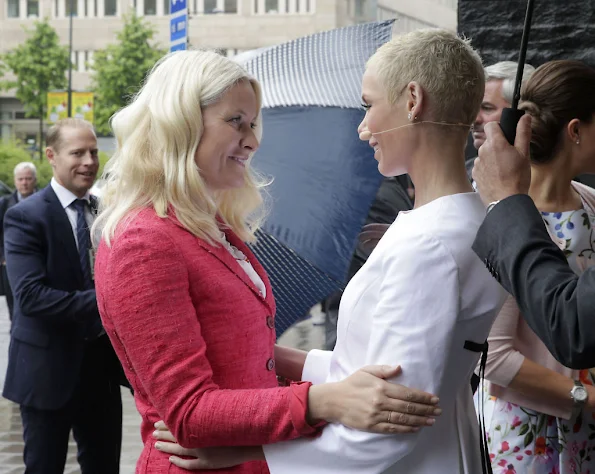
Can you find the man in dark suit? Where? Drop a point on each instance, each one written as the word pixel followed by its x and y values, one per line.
pixel 62 370
pixel 25 180
pixel 515 246
pixel 499 92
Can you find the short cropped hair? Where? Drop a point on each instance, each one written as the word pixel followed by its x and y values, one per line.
pixel 506 72
pixel 445 65
pixel 26 165
pixel 53 137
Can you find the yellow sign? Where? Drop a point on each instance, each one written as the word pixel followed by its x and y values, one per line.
pixel 82 106
pixel 57 106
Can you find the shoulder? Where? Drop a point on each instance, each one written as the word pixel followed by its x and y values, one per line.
pixel 414 246
pixel 145 234
pixel 32 207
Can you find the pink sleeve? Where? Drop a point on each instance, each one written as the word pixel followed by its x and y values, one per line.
pixel 149 305
pixel 504 361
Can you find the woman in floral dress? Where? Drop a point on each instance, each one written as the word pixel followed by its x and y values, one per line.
pixel 532 422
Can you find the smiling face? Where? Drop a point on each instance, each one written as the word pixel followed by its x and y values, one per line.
pixel 228 138
pixel 381 115
pixel 75 159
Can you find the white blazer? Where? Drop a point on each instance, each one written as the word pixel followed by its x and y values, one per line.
pixel 419 297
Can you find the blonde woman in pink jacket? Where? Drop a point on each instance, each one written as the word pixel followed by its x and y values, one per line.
pixel 539 414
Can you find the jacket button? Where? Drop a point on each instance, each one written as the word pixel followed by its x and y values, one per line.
pixel 270 364
pixel 270 322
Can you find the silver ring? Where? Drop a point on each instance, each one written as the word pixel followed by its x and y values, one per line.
pixel 390 413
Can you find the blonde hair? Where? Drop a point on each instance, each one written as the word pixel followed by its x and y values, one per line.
pixel 53 137
pixel 157 136
pixel 446 66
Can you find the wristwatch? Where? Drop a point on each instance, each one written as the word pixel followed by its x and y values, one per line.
pixel 491 206
pixel 579 396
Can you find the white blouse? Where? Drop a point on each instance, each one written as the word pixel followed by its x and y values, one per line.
pixel 246 266
pixel 419 297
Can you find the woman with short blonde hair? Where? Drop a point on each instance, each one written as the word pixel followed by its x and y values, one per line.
pixel 187 306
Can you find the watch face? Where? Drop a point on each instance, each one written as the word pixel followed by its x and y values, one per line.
pixel 580 394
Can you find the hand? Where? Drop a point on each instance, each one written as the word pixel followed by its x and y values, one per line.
pixel 366 402
pixel 503 170
pixel 202 458
pixel 371 235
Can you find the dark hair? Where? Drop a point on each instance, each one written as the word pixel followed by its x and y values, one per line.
pixel 558 92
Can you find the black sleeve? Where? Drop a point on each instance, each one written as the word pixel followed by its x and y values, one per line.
pixel 3 208
pixel 557 305
pixel 26 265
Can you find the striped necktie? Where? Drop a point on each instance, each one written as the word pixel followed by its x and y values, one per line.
pixel 83 238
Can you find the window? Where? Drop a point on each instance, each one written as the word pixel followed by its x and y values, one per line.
pixel 95 9
pixel 210 6
pixel 283 6
pixel 110 8
pixel 56 11
pixel 13 9
pixel 74 5
pixel 271 6
pixel 150 7
pixel 230 6
pixel 360 8
pixel 5 132
pixel 166 7
pixel 32 8
pixel 19 115
pixel 215 6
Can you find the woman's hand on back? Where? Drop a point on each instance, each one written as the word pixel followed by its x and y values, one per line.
pixel 367 402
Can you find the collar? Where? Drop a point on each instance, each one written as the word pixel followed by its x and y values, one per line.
pixel 65 196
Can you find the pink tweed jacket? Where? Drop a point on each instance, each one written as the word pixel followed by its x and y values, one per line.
pixel 196 340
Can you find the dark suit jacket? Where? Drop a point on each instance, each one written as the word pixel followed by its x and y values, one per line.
pixel 54 317
pixel 557 305
pixel 5 204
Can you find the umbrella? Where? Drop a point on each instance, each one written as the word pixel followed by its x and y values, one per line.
pixel 324 177
pixel 511 116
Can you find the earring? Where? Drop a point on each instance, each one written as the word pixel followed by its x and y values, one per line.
pixel 409 116
pixel 578 142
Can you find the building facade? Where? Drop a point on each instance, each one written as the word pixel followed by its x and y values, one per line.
pixel 230 26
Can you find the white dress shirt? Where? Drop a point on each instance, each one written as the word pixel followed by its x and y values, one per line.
pixel 66 198
pixel 419 297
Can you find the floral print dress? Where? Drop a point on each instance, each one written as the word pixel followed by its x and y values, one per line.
pixel 523 441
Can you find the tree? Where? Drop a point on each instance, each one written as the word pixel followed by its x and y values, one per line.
pixel 120 69
pixel 39 66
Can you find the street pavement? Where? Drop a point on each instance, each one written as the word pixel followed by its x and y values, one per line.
pixel 307 334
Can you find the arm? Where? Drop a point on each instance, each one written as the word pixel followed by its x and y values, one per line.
pixel 3 207
pixel 557 305
pixel 507 367
pixel 295 364
pixel 403 329
pixel 289 362
pixel 26 265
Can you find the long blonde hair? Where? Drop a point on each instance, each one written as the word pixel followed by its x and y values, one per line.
pixel 157 136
